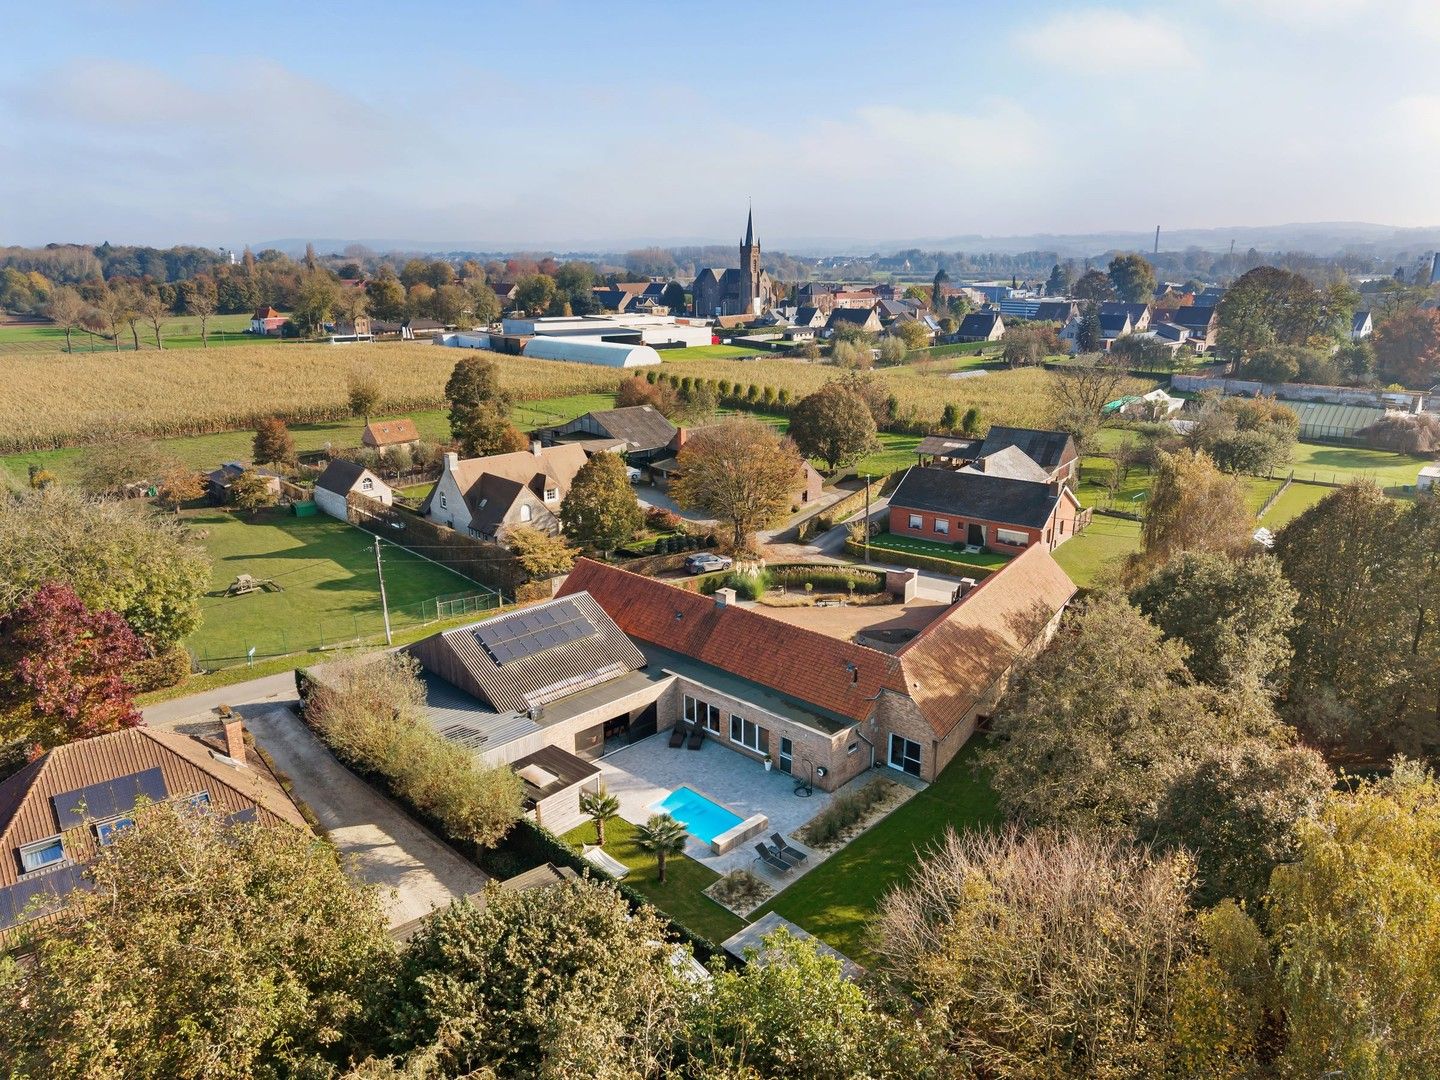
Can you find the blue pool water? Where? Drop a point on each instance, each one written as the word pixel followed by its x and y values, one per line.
pixel 702 818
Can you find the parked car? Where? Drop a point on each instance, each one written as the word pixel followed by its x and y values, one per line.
pixel 705 562
pixel 633 473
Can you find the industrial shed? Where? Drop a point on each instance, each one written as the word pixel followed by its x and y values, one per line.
pixel 591 351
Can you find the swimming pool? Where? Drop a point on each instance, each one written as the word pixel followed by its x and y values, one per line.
pixel 702 818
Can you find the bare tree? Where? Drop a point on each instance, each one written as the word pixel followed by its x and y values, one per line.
pixel 202 303
pixel 113 309
pixel 66 309
pixel 1082 388
pixel 155 312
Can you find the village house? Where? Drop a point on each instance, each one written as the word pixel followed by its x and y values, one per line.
pixel 1004 510
pixel 59 811
pixel 987 325
pixel 266 321
pixel 219 482
pixel 617 657
pixel 866 319
pixel 1139 314
pixel 1054 453
pixel 1201 322
pixel 485 497
pixel 641 432
pixel 388 435
pixel 1361 326
pixel 340 479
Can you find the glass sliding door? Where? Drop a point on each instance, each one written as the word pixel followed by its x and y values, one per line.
pixel 904 754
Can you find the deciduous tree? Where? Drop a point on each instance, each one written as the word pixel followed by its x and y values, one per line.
pixel 201 301
pixel 65 308
pixel 535 293
pixel 833 424
pixel 364 394
pixel 179 484
pixel 63 668
pixel 600 510
pixel 1194 507
pixel 1133 278
pixel 740 471
pixel 541 555
pixel 1094 285
pixel 155 311
pixel 202 951
pixel 1407 348
pixel 273 443
pixel 479 408
pixel 251 491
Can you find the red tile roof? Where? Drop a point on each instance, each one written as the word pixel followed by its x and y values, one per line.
pixel 390 432
pixel 803 664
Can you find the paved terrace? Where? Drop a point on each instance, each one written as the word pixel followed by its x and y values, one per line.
pixel 644 773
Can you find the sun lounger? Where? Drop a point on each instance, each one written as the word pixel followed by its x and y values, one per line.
pixel 771 860
pixel 697 736
pixel 677 736
pixel 785 850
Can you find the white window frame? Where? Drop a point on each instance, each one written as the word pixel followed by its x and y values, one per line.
pixel 917 521
pixel 526 513
pixel 942 526
pixel 551 494
pixel 1013 537
pixel 105 830
pixel 38 846
pixel 367 484
pixel 747 727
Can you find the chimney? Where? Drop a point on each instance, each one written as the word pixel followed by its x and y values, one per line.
pixel 678 439
pixel 235 739
pixel 452 461
pixel 965 588
pixel 724 597
pixel 535 447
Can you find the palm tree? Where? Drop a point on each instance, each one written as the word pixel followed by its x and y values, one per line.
pixel 662 835
pixel 599 806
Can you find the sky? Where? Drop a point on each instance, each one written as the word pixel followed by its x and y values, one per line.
pixel 582 125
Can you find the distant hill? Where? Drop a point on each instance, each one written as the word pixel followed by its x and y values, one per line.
pixel 1317 238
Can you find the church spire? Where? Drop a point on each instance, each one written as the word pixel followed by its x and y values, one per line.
pixel 750 227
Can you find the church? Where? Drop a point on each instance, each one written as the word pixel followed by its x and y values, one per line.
pixel 746 291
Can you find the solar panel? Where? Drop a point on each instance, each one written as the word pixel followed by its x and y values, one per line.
pixel 528 632
pixel 44 892
pixel 108 798
pixel 243 817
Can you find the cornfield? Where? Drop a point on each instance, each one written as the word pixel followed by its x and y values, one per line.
pixel 56 400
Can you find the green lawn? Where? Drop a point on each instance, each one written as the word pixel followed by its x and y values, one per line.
pixel 327 571
pixel 1341 464
pixel 709 352
pixel 682 894
pixel 1105 542
pixel 836 900
pixel 205 452
pixel 1297 499
pixel 176 332
pixel 936 550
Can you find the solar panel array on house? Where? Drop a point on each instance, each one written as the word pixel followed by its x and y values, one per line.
pixel 528 632
pixel 107 799
pixel 39 894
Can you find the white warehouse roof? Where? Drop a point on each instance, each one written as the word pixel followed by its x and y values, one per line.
pixel 591 351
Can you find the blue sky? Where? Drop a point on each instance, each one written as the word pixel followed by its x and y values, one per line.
pixel 574 124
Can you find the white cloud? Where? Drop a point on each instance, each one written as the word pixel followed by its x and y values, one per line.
pixel 1098 39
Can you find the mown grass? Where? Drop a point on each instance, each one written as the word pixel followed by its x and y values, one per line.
pixel 681 895
pixel 1342 464
pixel 1105 543
pixel 1296 499
pixel 57 400
pixel 326 569
pixel 936 550
pixel 837 899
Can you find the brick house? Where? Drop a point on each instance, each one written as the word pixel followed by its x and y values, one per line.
pixel 62 809
pixel 266 321
pixel 487 496
pixel 968 506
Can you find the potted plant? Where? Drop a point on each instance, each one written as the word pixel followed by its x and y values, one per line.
pixel 768 762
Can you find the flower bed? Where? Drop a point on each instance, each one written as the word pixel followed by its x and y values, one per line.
pixel 852 813
pixel 740 891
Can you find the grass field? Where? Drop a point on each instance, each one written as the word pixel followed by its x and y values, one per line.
pixel 1295 501
pixel 176 332
pixel 207 451
pixel 708 352
pixel 685 879
pixel 836 900
pixel 1341 464
pixel 327 571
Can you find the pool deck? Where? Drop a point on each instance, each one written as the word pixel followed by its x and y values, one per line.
pixel 643 774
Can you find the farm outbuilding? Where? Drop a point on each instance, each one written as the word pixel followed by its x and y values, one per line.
pixel 339 479
pixel 591 351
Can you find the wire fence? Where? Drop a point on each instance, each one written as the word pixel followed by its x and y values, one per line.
pixel 226 644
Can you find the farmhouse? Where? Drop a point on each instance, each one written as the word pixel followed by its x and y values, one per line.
pixel 266 321
pixel 59 811
pixel 487 496
pixel 973 507
pixel 617 657
pixel 1054 452
pixel 384 435
pixel 339 479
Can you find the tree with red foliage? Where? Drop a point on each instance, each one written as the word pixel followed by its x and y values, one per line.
pixel 62 669
pixel 1407 348
pixel 636 391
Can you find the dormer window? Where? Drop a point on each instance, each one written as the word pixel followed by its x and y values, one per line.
pixel 551 494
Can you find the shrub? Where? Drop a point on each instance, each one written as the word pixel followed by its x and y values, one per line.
pixel 828 579
pixel 166 668
pixel 749 584
pixel 740 889
pixel 845 812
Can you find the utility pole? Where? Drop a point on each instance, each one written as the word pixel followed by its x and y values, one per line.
pixel 867 517
pixel 384 605
pixel 1157 240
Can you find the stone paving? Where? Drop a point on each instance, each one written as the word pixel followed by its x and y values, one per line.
pixel 646 772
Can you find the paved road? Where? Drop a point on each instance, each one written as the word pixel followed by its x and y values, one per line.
pixel 381 843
